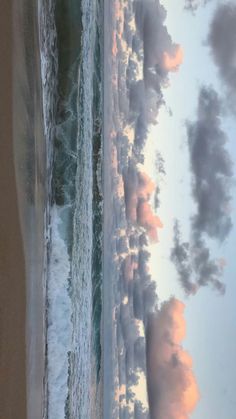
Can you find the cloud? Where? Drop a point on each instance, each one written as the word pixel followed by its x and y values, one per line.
pixel 138 188
pixel 160 164
pixel 172 387
pixel 194 265
pixel 146 186
pixel 180 256
pixel 160 55
pixel 143 240
pixel 140 353
pixel 143 259
pixel 129 266
pixel 140 412
pixel 129 328
pixel 150 17
pixel 147 219
pixel 144 293
pixel 211 167
pixel 138 304
pixel 192 5
pixel 172 61
pixel 160 170
pixel 223 44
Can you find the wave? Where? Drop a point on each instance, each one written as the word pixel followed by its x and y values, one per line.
pixel 59 330
pixel 71 81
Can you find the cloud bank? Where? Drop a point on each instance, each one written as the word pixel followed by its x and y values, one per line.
pixel 142 60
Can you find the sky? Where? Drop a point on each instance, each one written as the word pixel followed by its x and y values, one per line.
pixel 210 317
pixel 173 157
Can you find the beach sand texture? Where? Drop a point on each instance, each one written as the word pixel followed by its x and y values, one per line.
pixel 12 270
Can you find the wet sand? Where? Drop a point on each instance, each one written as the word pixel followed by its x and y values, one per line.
pixel 12 269
pixel 30 166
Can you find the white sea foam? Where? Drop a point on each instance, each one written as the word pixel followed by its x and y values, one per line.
pixel 49 68
pixel 59 333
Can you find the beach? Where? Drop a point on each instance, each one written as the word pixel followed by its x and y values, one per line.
pixel 31 181
pixel 22 214
pixel 12 268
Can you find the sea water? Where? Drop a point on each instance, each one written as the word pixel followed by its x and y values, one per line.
pixel 71 80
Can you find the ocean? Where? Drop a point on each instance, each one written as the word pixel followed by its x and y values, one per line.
pixel 71 48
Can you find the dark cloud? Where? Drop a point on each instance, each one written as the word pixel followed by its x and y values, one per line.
pixel 143 240
pixel 145 297
pixel 143 259
pixel 193 5
pixel 157 197
pixel 137 46
pixel 149 299
pixel 160 168
pixel 129 328
pixel 150 17
pixel 222 40
pixel 138 188
pixel 133 241
pixel 211 167
pixel 130 177
pixel 136 284
pixel 128 267
pixel 138 304
pixel 124 413
pixel 122 147
pixel 140 353
pixel 140 412
pixel 122 244
pixel 160 164
pixel 172 388
pixel 158 53
pixel 209 271
pixel 194 264
pixel 180 256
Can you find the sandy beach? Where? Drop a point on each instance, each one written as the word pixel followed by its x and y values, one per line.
pixel 12 269
pixel 22 208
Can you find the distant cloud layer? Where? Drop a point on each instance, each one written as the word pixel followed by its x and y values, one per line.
pixel 172 388
pixel 143 56
pixel 211 168
pixel 222 42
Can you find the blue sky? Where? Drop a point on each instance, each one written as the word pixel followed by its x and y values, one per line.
pixel 211 333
